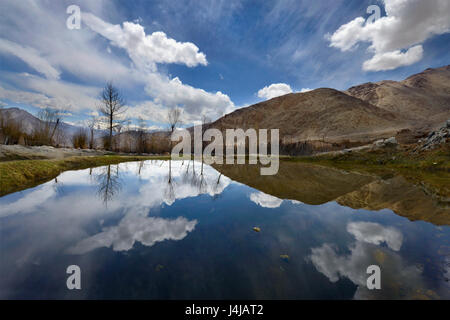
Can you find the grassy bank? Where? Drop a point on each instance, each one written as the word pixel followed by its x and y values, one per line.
pixel 22 174
pixel 429 169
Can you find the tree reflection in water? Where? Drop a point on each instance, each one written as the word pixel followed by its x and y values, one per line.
pixel 109 183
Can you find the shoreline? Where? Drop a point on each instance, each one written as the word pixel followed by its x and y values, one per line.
pixel 430 169
pixel 18 175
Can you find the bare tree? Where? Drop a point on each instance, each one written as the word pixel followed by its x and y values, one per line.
pixel 141 143
pixel 117 139
pixel 112 107
pixel 129 135
pixel 50 121
pixel 2 122
pixel 205 122
pixel 91 125
pixel 173 116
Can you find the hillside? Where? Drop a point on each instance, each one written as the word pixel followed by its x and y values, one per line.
pixel 328 118
pixel 29 123
pixel 423 99
pixel 322 114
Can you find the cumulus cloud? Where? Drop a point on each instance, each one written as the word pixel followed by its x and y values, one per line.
pixel 34 35
pixel 264 200
pixel 194 101
pixel 274 90
pixel 397 275
pixel 132 228
pixel 375 233
pixel 395 39
pixel 394 59
pixel 146 50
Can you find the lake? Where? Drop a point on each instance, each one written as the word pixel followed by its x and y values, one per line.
pixel 141 231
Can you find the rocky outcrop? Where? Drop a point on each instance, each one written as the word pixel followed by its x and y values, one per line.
pixel 435 138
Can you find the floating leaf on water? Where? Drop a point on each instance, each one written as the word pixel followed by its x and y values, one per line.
pixel 284 257
pixel 159 267
pixel 256 229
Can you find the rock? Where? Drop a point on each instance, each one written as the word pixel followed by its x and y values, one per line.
pixel 386 143
pixel 379 143
pixel 391 142
pixel 436 138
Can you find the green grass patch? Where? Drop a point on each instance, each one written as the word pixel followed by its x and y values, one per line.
pixel 22 174
pixel 429 169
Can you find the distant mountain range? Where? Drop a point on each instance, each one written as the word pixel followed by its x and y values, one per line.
pixel 362 113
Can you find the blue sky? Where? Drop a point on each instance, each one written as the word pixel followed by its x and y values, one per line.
pixel 212 56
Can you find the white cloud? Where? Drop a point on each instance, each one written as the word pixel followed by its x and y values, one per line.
pixel 375 233
pixel 31 57
pixel 393 60
pixel 30 201
pixel 135 227
pixel 274 90
pixel 397 274
pixel 264 200
pixel 194 101
pixel 34 34
pixel 52 93
pixel 306 90
pixel 395 39
pixel 146 50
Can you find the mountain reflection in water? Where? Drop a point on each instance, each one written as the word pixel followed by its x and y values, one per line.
pixel 179 231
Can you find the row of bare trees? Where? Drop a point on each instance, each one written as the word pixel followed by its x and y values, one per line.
pixel 116 132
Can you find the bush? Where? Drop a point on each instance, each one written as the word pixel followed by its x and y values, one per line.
pixel 80 139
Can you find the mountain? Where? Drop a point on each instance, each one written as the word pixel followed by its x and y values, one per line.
pixel 360 114
pixel 28 123
pixel 422 99
pixel 319 114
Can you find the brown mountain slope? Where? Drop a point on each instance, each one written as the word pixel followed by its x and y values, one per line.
pixel 424 98
pixel 320 114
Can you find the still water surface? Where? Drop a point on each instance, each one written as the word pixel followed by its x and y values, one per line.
pixel 138 231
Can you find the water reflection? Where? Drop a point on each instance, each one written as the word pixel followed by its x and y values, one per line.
pixel 317 185
pixel 135 227
pixel 399 280
pixel 264 200
pixel 109 183
pixel 157 230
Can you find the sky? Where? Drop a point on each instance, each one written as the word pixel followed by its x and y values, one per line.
pixel 208 57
